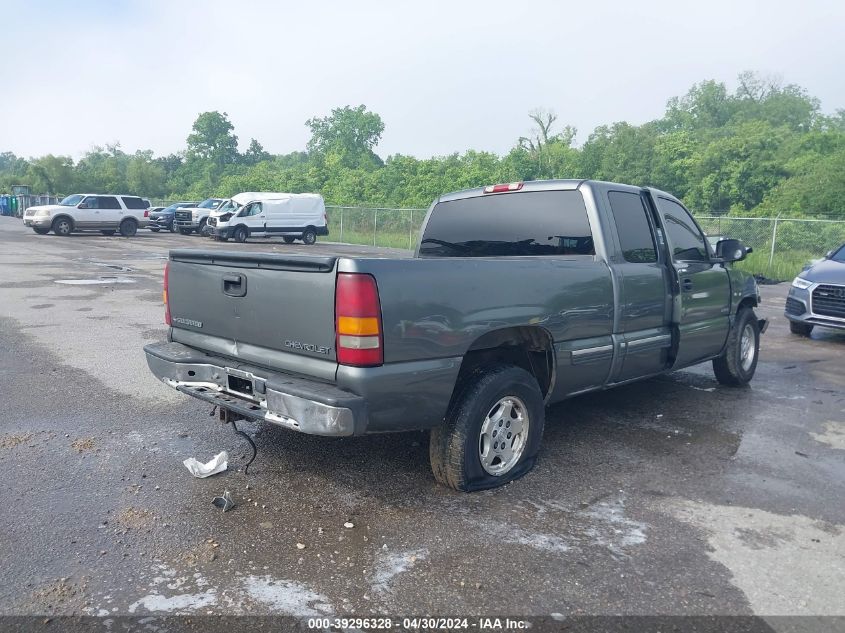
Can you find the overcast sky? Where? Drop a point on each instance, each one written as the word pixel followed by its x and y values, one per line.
pixel 444 76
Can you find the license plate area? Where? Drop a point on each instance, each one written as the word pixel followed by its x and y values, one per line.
pixel 241 385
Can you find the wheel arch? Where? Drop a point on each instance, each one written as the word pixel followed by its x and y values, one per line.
pixel 529 347
pixel 63 216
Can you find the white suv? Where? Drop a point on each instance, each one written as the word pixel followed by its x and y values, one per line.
pixel 90 211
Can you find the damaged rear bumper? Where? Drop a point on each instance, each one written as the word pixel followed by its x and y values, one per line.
pixel 254 393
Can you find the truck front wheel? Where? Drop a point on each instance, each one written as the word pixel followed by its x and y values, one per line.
pixel 736 366
pixel 492 431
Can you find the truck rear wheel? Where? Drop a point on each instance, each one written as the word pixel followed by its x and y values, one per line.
pixel 492 432
pixel 736 366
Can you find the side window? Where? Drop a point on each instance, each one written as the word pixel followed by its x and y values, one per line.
pixel 90 202
pixel 132 202
pixel 252 209
pixel 686 240
pixel 108 202
pixel 631 219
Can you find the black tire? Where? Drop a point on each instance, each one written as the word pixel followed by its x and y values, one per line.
pixel 733 367
pixel 172 226
pixel 40 230
pixel 202 226
pixel 155 229
pixel 289 239
pixel 108 232
pixel 240 234
pixel 455 448
pixel 128 228
pixel 62 226
pixel 309 236
pixel 185 231
pixel 802 329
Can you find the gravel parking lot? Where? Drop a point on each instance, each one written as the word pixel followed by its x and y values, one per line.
pixel 671 496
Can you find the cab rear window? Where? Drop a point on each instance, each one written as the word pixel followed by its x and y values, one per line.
pixel 535 223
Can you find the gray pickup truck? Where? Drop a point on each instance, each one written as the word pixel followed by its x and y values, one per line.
pixel 518 296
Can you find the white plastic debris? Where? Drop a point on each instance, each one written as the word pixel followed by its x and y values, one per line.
pixel 348 525
pixel 218 464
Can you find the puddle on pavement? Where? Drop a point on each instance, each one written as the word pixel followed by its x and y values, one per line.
pixel 97 281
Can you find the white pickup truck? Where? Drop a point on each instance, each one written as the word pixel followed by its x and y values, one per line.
pixel 190 219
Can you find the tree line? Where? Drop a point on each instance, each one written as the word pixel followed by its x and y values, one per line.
pixel 764 149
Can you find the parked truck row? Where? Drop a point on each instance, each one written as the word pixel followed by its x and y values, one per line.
pixel 518 296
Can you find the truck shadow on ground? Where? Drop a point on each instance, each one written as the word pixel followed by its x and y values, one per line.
pixel 644 421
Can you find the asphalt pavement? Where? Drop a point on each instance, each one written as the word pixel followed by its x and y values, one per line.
pixel 675 495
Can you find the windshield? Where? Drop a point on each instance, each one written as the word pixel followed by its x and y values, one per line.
pixel 839 256
pixel 211 203
pixel 229 205
pixel 72 201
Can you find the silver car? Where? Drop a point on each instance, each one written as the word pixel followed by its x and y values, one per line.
pixel 817 295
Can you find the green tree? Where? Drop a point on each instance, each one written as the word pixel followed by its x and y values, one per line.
pixel 212 139
pixel 255 153
pixel 346 138
pixel 51 174
pixel 145 176
pixel 550 150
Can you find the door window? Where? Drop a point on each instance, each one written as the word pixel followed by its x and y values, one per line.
pixel 631 219
pixel 90 202
pixel 688 244
pixel 253 209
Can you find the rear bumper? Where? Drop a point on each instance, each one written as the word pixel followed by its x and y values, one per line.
pixel 299 404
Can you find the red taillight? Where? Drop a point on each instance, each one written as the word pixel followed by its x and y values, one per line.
pixel 512 186
pixel 146 213
pixel 358 320
pixel 165 293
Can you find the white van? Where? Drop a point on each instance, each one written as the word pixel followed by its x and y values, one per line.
pixel 259 214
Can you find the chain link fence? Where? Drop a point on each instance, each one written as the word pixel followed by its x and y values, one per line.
pixel 782 246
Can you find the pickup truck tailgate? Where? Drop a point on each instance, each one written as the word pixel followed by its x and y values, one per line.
pixel 274 310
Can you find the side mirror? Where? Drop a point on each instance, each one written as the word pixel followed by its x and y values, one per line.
pixel 731 250
pixel 83 205
pixel 828 255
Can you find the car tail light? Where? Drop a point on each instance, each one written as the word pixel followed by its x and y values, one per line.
pixel 510 186
pixel 146 213
pixel 165 294
pixel 358 321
